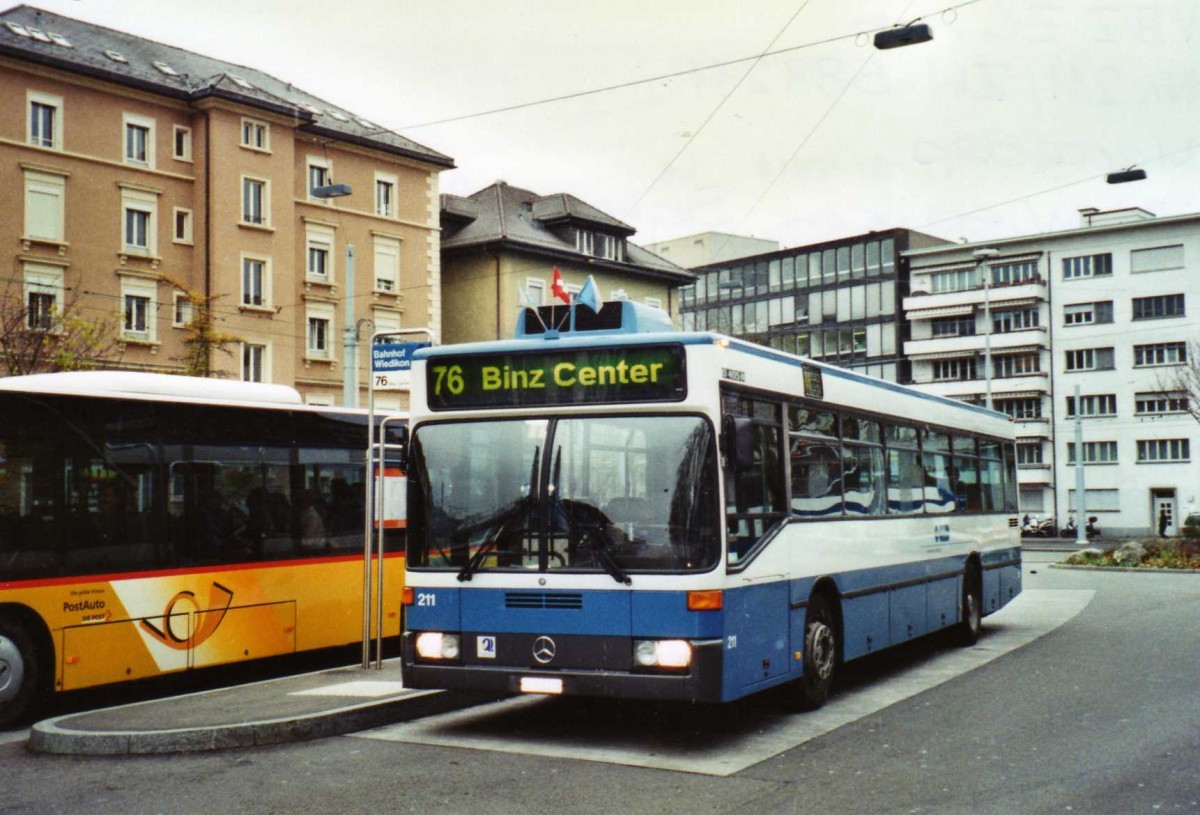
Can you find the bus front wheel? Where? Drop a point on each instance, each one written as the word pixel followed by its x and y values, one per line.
pixel 19 672
pixel 820 655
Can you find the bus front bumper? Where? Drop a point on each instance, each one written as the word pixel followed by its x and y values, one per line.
pixel 700 683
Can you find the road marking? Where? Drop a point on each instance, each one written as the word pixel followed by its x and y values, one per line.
pixel 14 736
pixel 365 687
pixel 521 725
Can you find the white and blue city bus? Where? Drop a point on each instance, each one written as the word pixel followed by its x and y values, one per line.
pixel 619 509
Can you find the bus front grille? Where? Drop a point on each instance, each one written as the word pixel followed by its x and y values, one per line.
pixel 541 599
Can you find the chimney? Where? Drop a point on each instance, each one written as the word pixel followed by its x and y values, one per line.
pixel 1085 215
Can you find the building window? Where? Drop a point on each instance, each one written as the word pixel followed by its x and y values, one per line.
pixel 387 264
pixel 40 311
pixel 254 282
pixel 1024 408
pixel 254 362
pixel 1008 274
pixel 1016 365
pixel 137 314
pixel 181 315
pixel 256 135
pixel 45 120
pixel 535 291
pixel 1029 454
pixel 1090 359
pixel 1088 313
pixel 386 320
pixel 1155 403
pixel 385 196
pixel 1102 404
pixel 606 246
pixel 1157 259
pixel 139 222
pixel 182 141
pixel 1158 307
pixel 946 370
pixel 1150 450
pixel 1004 322
pixel 1161 353
pixel 584 242
pixel 953 326
pixel 139 140
pixel 653 302
pixel 318 260
pixel 183 225
pixel 957 280
pixel 255 201
pixel 138 305
pixel 1094 452
pixel 1087 266
pixel 43 288
pixel 319 175
pixel 319 328
pixel 137 229
pixel 45 205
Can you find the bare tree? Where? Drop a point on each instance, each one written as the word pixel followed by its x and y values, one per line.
pixel 203 337
pixel 1180 386
pixel 42 332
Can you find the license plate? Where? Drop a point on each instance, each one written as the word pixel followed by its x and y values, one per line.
pixel 541 684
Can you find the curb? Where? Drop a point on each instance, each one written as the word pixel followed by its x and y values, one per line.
pixel 56 737
pixel 1142 569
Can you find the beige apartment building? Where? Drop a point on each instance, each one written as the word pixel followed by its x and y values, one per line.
pixel 142 181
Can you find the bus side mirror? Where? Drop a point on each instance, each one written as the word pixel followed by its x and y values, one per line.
pixel 737 435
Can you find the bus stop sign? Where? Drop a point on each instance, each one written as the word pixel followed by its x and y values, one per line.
pixel 391 364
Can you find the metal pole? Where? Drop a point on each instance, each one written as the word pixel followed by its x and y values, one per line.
pixel 1080 485
pixel 350 337
pixel 987 335
pixel 368 529
pixel 375 510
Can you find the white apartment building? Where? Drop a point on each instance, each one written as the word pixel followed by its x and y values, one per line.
pixel 1103 308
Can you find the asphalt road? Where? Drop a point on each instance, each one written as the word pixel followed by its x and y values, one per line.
pixel 1099 715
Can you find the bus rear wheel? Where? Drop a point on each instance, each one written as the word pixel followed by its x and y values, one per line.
pixel 19 672
pixel 820 655
pixel 972 608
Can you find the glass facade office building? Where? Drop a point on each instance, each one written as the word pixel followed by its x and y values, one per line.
pixel 837 301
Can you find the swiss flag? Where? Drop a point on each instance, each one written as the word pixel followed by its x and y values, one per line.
pixel 557 288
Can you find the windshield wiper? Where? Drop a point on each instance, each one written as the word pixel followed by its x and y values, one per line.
pixel 498 523
pixel 600 541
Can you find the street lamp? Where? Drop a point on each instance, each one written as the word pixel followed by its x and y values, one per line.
pixel 902 35
pixel 350 328
pixel 1125 176
pixel 982 256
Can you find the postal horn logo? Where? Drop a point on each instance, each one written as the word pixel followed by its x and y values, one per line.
pixel 189 627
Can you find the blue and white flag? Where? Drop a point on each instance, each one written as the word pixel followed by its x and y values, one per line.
pixel 588 295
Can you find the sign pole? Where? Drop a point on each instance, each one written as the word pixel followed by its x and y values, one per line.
pixel 386 357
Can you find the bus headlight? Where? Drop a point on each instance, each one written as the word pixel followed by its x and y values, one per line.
pixel 662 653
pixel 436 645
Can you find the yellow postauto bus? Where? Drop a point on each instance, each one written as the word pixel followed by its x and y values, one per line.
pixel 152 524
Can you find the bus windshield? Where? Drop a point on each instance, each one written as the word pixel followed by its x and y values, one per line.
pixel 615 494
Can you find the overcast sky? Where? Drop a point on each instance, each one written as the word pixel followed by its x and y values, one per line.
pixel 1005 124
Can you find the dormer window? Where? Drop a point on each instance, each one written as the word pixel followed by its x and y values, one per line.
pixel 241 83
pixel 16 28
pixel 598 244
pixel 38 34
pixel 59 39
pixel 115 56
pixel 165 68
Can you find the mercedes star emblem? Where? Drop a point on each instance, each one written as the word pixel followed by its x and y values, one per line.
pixel 543 650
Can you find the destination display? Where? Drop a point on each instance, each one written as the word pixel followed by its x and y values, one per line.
pixel 576 376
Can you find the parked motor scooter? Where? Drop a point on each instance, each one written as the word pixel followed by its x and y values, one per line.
pixel 1093 527
pixel 1038 529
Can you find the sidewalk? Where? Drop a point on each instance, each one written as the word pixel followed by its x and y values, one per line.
pixel 293 708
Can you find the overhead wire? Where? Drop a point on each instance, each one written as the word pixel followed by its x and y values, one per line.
pixel 672 75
